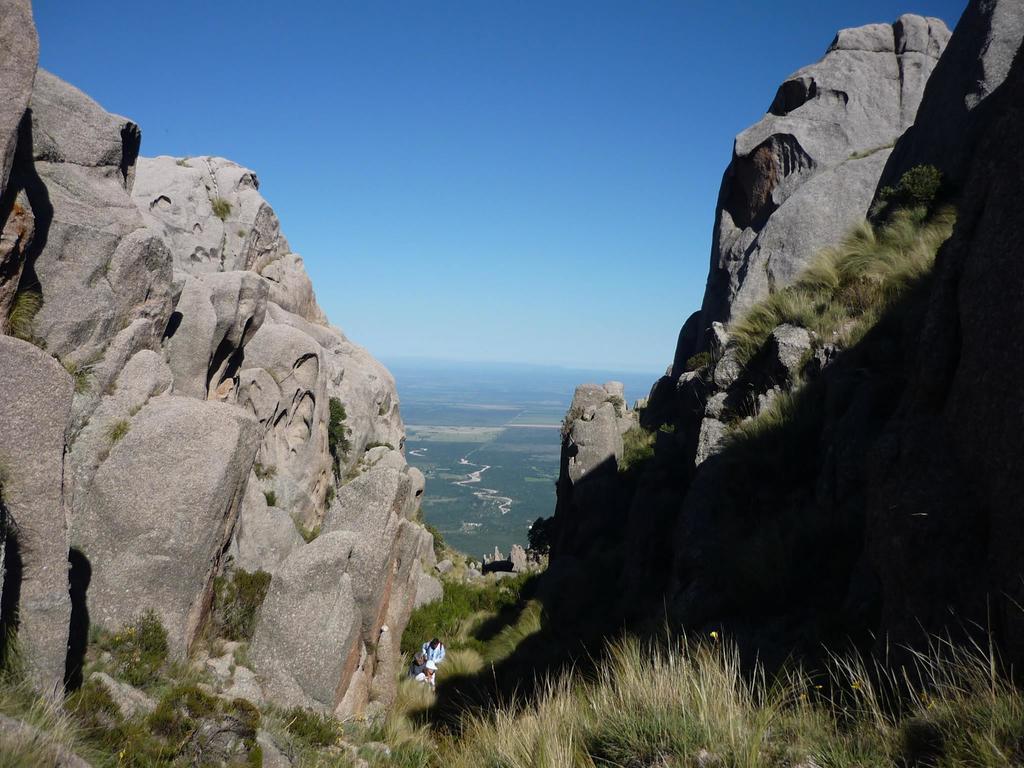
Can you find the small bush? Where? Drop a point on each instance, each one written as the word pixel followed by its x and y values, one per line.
pixel 81 375
pixel 118 430
pixel 262 472
pixel 540 534
pixel 920 187
pixel 21 318
pixel 574 413
pixel 329 495
pixel 307 534
pixel 314 729
pixel 377 444
pixel 139 649
pixel 221 208
pixel 271 498
pixel 237 602
pixel 183 162
pixel 175 716
pixel 337 433
pixel 619 404
pixel 637 447
pixel 700 361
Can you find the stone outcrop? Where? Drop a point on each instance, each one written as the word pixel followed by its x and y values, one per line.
pixel 592 446
pixel 807 172
pixel 166 410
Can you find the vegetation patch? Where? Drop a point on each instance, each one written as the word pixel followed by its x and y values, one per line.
pixel 691 704
pixel 139 649
pixel 271 498
pixel 81 375
pixel 637 447
pixel 847 288
pixel 337 434
pixel 262 472
pixel 541 534
pixel 221 208
pixel 463 609
pixel 118 429
pixel 313 728
pixel 237 602
pixel 700 361
pixel 618 404
pixel 21 317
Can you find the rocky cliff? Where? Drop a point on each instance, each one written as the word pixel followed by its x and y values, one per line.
pixel 839 464
pixel 175 409
pixel 807 171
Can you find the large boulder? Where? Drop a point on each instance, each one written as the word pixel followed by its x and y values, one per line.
pixel 35 409
pixel 214 317
pixel 265 536
pixel 306 647
pixel 159 512
pixel 99 268
pixel 806 173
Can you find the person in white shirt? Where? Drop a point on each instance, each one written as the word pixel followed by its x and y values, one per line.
pixel 428 674
pixel 434 651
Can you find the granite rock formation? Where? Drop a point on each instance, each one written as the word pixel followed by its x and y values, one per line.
pixel 807 171
pixel 166 410
pixel 877 501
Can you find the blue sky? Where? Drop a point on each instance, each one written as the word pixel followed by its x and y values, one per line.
pixel 481 180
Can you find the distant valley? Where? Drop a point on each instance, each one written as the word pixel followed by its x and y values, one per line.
pixel 486 438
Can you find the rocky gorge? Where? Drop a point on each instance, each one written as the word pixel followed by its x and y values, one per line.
pixel 213 552
pixel 177 413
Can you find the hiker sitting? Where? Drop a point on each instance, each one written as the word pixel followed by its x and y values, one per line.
pixel 434 651
pixel 428 675
pixel 419 663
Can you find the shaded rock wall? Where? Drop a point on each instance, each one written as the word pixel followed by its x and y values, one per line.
pixel 886 508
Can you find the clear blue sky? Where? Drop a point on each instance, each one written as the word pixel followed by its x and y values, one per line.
pixel 483 179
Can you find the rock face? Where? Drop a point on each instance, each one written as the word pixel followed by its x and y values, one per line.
pixel 807 172
pixel 18 60
pixel 954 106
pixel 176 427
pixel 951 450
pixel 879 503
pixel 183 507
pixel 35 406
pixel 19 53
